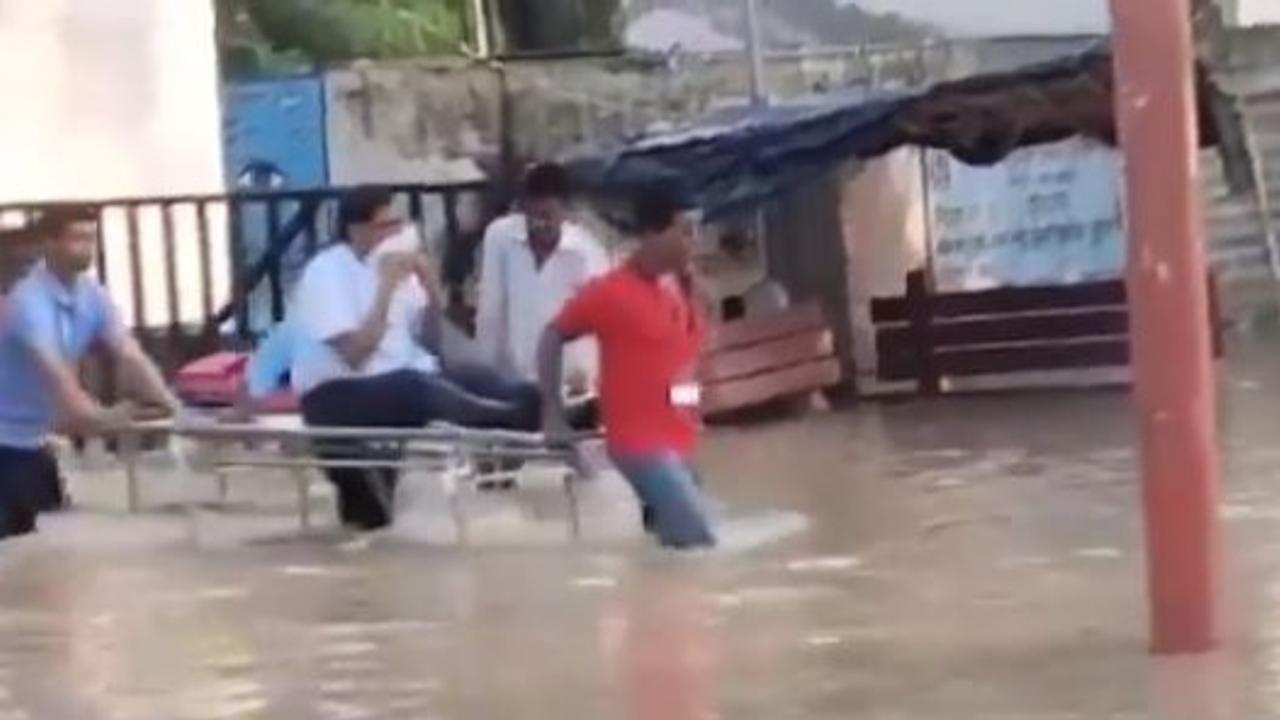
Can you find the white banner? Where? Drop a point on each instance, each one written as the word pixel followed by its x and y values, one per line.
pixel 1047 215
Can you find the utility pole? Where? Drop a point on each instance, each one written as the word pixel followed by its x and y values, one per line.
pixel 755 52
pixel 1155 102
pixel 483 33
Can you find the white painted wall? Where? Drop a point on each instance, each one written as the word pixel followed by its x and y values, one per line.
pixel 886 236
pixel 1255 12
pixel 108 99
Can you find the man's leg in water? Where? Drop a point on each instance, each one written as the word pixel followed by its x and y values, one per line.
pixel 478 396
pixel 670 498
pixel 366 496
pixel 20 491
pixel 53 487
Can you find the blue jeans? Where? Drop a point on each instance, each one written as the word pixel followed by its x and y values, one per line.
pixel 671 497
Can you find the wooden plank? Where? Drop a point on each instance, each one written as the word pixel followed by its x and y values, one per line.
pixel 889 310
pixel 275 278
pixel 1014 329
pixel 771 355
pixel 170 248
pixel 739 394
pixel 140 318
pixel 920 312
pixel 100 247
pixel 753 330
pixel 311 233
pixel 206 260
pixel 896 362
pixel 239 267
pixel 1006 301
pixel 897 358
pixel 1022 358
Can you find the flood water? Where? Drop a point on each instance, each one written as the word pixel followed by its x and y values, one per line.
pixel 975 557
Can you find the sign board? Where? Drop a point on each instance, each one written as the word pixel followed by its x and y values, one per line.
pixel 1047 215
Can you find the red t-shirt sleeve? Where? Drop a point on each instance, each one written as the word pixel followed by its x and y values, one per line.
pixel 586 313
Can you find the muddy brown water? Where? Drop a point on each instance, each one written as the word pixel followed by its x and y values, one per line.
pixel 976 557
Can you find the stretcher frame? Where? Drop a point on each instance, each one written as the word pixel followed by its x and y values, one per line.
pixel 284 442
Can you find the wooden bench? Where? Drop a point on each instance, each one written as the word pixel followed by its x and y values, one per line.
pixel 755 361
pixel 925 337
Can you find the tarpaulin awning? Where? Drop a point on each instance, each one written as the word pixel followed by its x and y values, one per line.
pixel 740 158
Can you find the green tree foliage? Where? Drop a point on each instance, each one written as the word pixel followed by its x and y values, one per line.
pixel 533 26
pixel 270 35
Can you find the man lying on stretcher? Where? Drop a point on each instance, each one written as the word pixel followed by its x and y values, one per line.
pixel 363 319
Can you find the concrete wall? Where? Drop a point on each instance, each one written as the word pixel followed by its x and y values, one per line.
pixel 111 99
pixel 1239 226
pixel 432 122
pixel 411 122
pixel 435 122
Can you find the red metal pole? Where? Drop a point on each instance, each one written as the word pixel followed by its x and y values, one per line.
pixel 1175 390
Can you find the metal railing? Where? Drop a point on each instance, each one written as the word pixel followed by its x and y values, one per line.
pixel 193 272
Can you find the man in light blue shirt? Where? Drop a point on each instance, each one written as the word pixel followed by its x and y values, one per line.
pixel 55 316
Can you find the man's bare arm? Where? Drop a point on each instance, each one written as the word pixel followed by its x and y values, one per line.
pixel 141 378
pixel 78 411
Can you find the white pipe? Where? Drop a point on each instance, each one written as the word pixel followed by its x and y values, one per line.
pixel 480 10
pixel 755 51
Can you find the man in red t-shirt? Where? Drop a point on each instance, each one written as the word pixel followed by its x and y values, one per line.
pixel 650 334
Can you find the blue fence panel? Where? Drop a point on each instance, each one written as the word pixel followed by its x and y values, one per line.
pixel 274 138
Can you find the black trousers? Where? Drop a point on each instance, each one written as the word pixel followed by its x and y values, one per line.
pixel 29 485
pixel 471 396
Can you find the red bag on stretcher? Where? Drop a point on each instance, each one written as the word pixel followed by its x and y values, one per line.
pixel 221 380
pixel 214 381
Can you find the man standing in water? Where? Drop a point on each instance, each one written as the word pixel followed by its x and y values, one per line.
pixel 650 333
pixel 55 315
pixel 534 262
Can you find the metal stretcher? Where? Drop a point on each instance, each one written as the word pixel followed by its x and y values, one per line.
pixel 284 442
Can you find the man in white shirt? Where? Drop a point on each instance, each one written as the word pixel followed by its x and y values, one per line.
pixel 534 262
pixel 364 323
